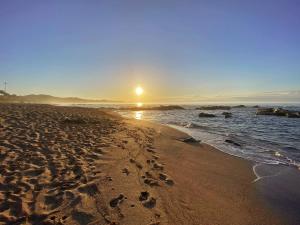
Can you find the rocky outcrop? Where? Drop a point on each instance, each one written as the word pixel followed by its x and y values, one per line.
pixel 239 106
pixel 206 115
pixel 233 142
pixel 277 112
pixel 227 114
pixel 190 140
pixel 214 107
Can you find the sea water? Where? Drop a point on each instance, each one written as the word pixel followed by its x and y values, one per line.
pixel 263 139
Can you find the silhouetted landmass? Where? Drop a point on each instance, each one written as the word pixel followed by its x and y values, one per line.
pixel 161 107
pixel 48 99
pixel 221 107
pixel 214 107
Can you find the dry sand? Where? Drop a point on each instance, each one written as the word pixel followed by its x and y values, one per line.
pixel 67 165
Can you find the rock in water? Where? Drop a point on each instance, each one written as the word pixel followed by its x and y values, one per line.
pixel 232 142
pixel 277 112
pixel 227 114
pixel 206 115
pixel 239 106
pixel 190 140
pixel 265 111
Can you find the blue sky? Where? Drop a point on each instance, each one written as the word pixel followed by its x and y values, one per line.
pixel 202 50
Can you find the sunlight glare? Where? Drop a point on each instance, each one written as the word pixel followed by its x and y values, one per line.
pixel 139 104
pixel 138 115
pixel 139 91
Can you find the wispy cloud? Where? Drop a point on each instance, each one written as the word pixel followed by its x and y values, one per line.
pixel 268 96
pixel 272 96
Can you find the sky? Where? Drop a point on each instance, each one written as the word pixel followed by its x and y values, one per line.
pixel 188 51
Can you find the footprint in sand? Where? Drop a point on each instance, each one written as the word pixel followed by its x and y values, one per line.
pixel 91 189
pixel 82 217
pixel 54 201
pixel 150 180
pixel 116 201
pixel 158 166
pixel 150 150
pixel 165 178
pixel 147 201
pixel 125 171
pixel 137 164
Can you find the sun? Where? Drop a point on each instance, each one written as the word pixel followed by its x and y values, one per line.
pixel 139 91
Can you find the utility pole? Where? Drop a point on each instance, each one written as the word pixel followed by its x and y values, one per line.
pixel 5 83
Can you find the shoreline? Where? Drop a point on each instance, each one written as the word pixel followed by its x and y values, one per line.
pixel 254 163
pixel 71 165
pixel 264 182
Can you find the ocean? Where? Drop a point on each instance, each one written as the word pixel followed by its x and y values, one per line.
pixel 262 139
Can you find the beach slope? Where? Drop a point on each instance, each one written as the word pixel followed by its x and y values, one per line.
pixel 68 165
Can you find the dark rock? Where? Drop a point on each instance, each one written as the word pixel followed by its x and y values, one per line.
pixel 190 140
pixel 215 107
pixel 227 114
pixel 280 112
pixel 239 106
pixel 265 111
pixel 293 115
pixel 232 142
pixel 206 115
pixel 277 112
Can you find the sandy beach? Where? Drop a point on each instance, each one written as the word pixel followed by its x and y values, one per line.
pixel 68 165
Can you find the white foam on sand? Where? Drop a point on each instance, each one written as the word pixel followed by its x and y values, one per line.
pixel 258 176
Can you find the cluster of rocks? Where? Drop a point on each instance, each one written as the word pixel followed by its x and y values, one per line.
pixel 277 112
pixel 220 107
pixel 260 111
pixel 226 114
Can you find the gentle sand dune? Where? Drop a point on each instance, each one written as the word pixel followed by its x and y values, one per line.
pixel 67 165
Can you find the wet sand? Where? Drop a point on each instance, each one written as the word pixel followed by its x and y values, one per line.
pixel 279 185
pixel 68 165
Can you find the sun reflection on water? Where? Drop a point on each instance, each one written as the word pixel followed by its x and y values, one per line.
pixel 139 104
pixel 138 115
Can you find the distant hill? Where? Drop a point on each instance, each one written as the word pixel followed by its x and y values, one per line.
pixel 48 99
